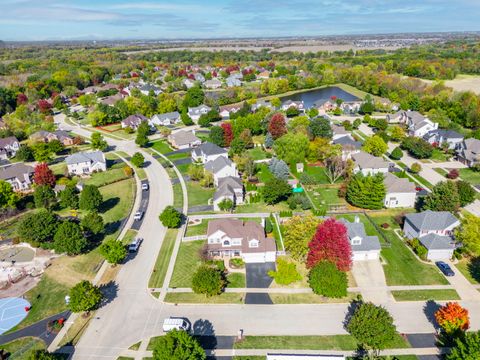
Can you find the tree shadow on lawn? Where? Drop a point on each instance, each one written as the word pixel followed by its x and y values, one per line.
pixel 112 227
pixel 108 204
pixel 474 268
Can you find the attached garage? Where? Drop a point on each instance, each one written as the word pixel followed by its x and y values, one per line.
pixel 254 257
pixel 365 255
pixel 438 247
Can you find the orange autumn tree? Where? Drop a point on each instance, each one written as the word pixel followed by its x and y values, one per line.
pixel 452 318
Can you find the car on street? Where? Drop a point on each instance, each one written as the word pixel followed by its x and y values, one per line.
pixel 134 245
pixel 138 215
pixel 445 268
pixel 176 323
pixel 145 186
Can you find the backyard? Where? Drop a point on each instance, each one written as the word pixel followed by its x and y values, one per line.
pixel 470 175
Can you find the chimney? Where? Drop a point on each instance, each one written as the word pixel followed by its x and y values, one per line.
pixel 357 219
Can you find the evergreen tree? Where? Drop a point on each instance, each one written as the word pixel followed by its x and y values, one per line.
pixel 366 192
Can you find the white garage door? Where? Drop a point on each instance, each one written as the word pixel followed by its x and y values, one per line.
pixel 254 258
pixel 439 254
pixel 365 255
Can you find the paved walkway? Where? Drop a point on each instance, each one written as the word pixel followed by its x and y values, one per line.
pixel 464 288
pixel 371 282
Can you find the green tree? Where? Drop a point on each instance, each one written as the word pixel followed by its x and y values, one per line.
pixel 93 223
pixel 372 326
pixel 286 272
pixel 137 159
pixel 292 148
pixel 444 197
pixel 216 135
pixel 42 355
pixel 69 197
pixel 320 127
pixel 44 197
pixel 37 228
pixel 142 134
pixel 226 205
pixel 396 153
pixel 171 217
pixel 466 347
pixel 397 133
pixel 178 345
pixel 375 146
pixel 208 280
pixel 276 190
pixel 298 231
pixel 366 192
pixel 465 192
pixel 97 142
pixel 41 152
pixel 69 239
pixel 24 154
pixel 326 280
pixel 90 198
pixel 85 297
pixel 8 198
pixel 416 168
pixel 113 251
pixel 467 234
pixel 194 97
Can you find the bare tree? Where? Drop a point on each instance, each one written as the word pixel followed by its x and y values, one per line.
pixel 334 168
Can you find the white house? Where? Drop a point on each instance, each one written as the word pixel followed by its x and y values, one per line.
pixel 236 238
pixel 145 89
pixel 18 175
pixel 170 118
pixel 400 192
pixel 9 147
pixel 439 137
pixel 364 247
pixel 420 125
pixel 183 139
pixel 85 163
pixel 299 105
pixel 434 230
pixel 233 81
pixel 221 167
pixel 368 164
pixel 196 112
pixel 208 152
pixel 213 84
pixel 188 83
pixel 338 131
pixel 227 110
pixel 230 188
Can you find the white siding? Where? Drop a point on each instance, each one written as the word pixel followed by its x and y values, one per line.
pixel 435 255
pixel 397 200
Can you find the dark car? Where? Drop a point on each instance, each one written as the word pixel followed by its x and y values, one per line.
pixel 445 268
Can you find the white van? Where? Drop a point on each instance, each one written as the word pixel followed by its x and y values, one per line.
pixel 174 323
pixel 134 245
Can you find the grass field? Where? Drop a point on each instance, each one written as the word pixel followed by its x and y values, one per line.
pixel 424 295
pixel 318 173
pixel 464 82
pixel 187 262
pixel 257 153
pixel 198 195
pixel 162 146
pixel 332 342
pixel 470 268
pixel 469 175
pixel 191 298
pixel 199 229
pixel 23 349
pixel 402 267
pixel 177 196
pixel 163 258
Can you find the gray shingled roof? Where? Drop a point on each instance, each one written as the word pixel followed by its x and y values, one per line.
pixel 218 164
pixel 209 148
pixel 347 141
pixel 395 184
pixel 8 141
pixel 184 137
pixel 437 242
pixel 15 171
pixel 170 115
pixel 368 161
pixel 94 156
pixel 431 220
pixel 355 229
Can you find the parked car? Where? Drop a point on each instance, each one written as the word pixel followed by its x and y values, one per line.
pixel 445 268
pixel 176 323
pixel 138 215
pixel 145 186
pixel 134 245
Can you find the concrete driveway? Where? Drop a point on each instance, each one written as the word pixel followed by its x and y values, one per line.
pixel 370 279
pixel 257 277
pixel 464 288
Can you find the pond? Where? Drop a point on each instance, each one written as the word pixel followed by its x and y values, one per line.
pixel 309 97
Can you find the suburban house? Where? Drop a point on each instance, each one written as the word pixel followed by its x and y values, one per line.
pixel 349 146
pixel 324 105
pixel 228 188
pixel 400 192
pixel 213 84
pixel 233 81
pixel 165 119
pixel 199 77
pixel 368 164
pixel 226 110
pixel 188 83
pixel 47 136
pixel 262 103
pixel 236 238
pixel 9 147
pixel 439 137
pixel 338 131
pixel 183 139
pixel 351 107
pixel 145 89
pixel 198 111
pixel 221 167
pixel 18 175
pixel 404 116
pixel 468 152
pixel 293 104
pixel 419 125
pixel 208 152
pixel 434 230
pixel 133 121
pixel 364 247
pixel 85 163
pixel 263 75
pixel 112 99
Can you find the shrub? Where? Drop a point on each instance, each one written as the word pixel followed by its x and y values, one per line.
pixel 236 263
pixel 208 280
pixel 268 226
pixel 417 147
pixel 137 159
pixel 385 225
pixel 396 154
pixel 171 217
pixel 453 174
pixel 416 168
pixel 326 280
pixel 286 272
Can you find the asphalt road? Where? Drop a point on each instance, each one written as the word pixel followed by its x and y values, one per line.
pixel 143 206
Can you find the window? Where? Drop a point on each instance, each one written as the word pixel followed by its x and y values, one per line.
pixel 253 243
pixel 356 241
pixel 226 243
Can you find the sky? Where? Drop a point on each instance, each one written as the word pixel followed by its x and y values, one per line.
pixel 30 20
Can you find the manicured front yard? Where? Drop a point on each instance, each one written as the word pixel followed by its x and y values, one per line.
pixel 198 195
pixel 236 280
pixel 439 156
pixel 424 295
pixel 470 175
pixel 163 258
pixel 199 229
pixel 187 261
pixel 308 298
pixel 106 177
pixel 162 146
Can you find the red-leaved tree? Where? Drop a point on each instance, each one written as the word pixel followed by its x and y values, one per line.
pixel 43 105
pixel 330 243
pixel 277 126
pixel 21 99
pixel 43 175
pixel 227 133
pixel 452 318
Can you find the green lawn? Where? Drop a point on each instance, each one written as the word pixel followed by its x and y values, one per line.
pixel 23 349
pixel 308 298
pixel 187 261
pixel 179 156
pixel 198 195
pixel 163 259
pixel 331 342
pixel 177 196
pixel 183 168
pixel 324 196
pixel 263 173
pixel 192 298
pixel 257 153
pixel 261 207
pixel 162 146
pixel 439 156
pixel 441 171
pixel 470 175
pixel 199 229
pixel 129 236
pixel 318 173
pixel 236 280
pixel 424 295
pixel 402 267
pixel 470 268
pixel 106 177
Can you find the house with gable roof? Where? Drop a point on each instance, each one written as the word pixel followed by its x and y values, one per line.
pixel 221 167
pixel 230 188
pixel 368 164
pixel 468 152
pixel 400 192
pixel 18 175
pixel 364 247
pixel 85 163
pixel 208 152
